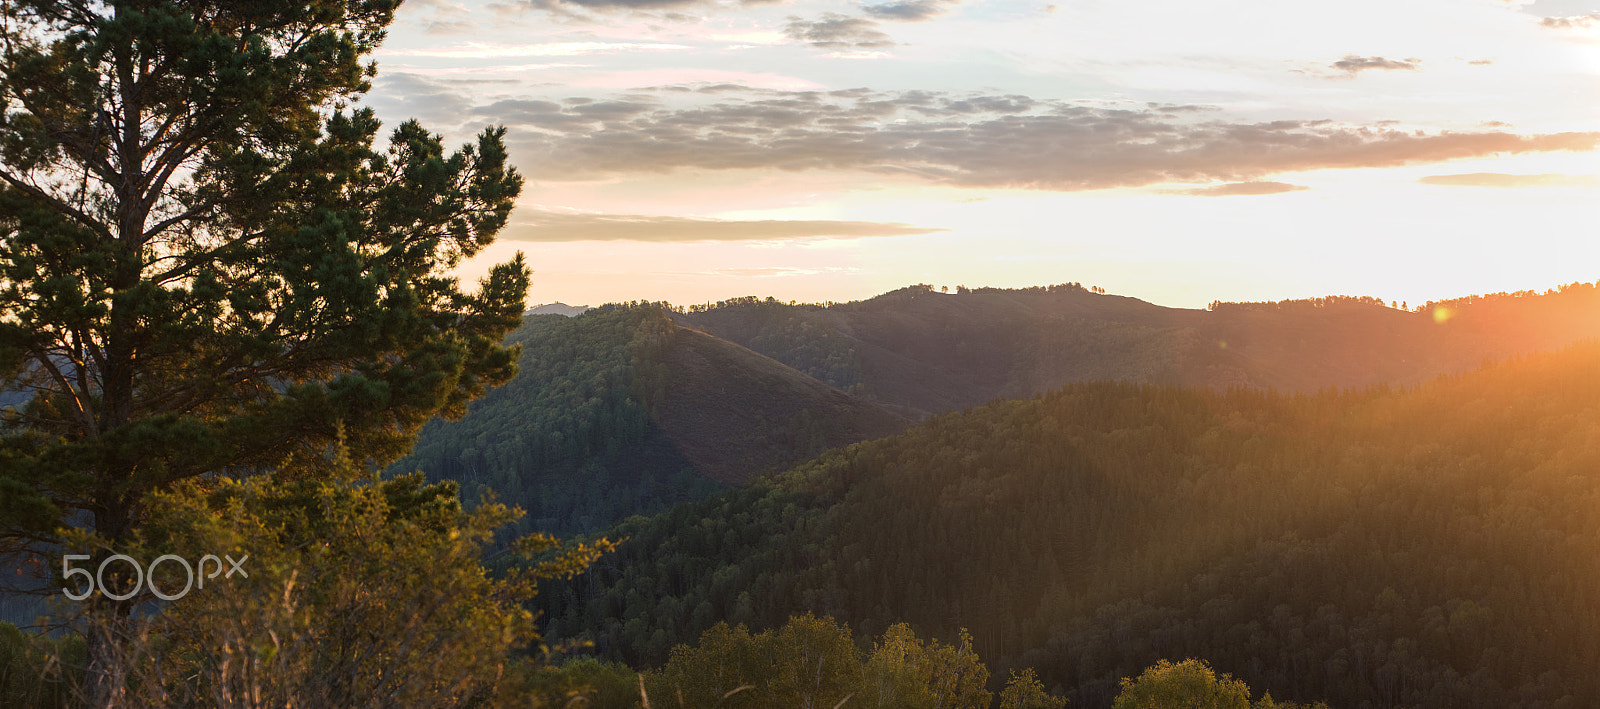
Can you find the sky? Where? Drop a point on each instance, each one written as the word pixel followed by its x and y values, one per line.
pixel 1178 152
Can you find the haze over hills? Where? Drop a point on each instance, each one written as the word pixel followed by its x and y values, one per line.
pixel 619 412
pixel 734 413
pixel 1432 546
pixel 937 352
pixel 1132 490
pixel 559 309
pixel 628 409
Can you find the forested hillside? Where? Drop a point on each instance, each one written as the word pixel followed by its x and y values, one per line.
pixel 1431 546
pixel 618 411
pixel 631 408
pixel 628 409
pixel 938 352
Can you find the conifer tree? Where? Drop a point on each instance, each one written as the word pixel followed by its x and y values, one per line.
pixel 210 266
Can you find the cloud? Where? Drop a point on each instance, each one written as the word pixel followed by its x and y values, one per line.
pixel 909 10
pixel 836 31
pixel 446 18
pixel 1352 64
pixel 1498 179
pixel 412 95
pixel 1245 188
pixel 416 87
pixel 1580 22
pixel 550 225
pixel 480 50
pixel 1005 141
pixel 568 6
pixel 559 5
pixel 448 27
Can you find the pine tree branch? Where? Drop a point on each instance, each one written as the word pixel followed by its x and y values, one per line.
pixel 55 202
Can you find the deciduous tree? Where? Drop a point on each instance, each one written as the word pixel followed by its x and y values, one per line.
pixel 1025 691
pixel 1190 684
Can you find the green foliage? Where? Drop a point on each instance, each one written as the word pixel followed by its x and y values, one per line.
pixel 570 438
pixel 903 671
pixel 895 670
pixel 1025 691
pixel 1266 702
pixel 809 662
pixel 812 662
pixel 209 266
pixel 36 670
pixel 585 683
pixel 619 412
pixel 1398 547
pixel 1190 684
pixel 721 669
pixel 360 592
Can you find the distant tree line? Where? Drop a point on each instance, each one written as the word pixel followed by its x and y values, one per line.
pixel 1576 289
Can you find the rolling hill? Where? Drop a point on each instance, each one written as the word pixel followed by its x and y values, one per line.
pixel 1421 546
pixel 618 411
pixel 628 409
pixel 935 352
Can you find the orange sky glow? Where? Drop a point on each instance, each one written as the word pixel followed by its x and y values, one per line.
pixel 811 150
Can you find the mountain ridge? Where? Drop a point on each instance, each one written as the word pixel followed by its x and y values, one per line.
pixel 986 343
pixel 628 408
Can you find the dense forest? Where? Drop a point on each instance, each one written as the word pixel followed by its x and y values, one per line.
pixel 555 438
pixel 1384 547
pixel 628 409
pixel 619 412
pixel 1381 546
pixel 233 302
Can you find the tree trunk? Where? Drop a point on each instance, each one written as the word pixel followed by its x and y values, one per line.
pixel 110 622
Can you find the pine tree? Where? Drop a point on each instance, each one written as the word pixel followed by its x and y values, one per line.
pixel 207 266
